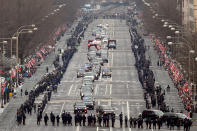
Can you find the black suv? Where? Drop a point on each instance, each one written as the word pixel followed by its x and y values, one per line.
pixel 152 114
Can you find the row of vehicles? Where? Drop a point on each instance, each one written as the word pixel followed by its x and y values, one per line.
pixel 95 67
pixel 167 116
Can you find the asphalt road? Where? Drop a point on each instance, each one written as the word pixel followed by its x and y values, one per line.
pixel 122 91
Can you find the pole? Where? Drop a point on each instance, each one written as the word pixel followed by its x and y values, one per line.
pixel 11 56
pixel 189 67
pixel 1 95
pixel 17 59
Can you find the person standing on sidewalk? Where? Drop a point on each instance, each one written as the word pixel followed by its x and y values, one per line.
pixel 47 69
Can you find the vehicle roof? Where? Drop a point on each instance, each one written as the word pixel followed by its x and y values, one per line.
pixel 79 104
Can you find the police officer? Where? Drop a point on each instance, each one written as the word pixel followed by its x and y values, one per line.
pixel 63 117
pixel 99 120
pixel 94 120
pixel 113 119
pixel 84 119
pixel 76 119
pixel 154 124
pixel 131 121
pixel 69 119
pixel 52 117
pixel 121 119
pixel 38 119
pixel 23 117
pixel 46 118
pixel 126 120
pixel 58 119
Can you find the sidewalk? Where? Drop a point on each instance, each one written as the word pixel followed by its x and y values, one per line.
pixel 8 116
pixel 162 78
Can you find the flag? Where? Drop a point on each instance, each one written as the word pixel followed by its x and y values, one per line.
pixel 13 74
pixel 185 87
pixel 180 76
pixel 39 54
pixel 176 74
pixel 2 72
pixel 43 51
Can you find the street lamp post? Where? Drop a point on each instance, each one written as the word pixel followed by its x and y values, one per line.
pixel 21 30
pixel 2 96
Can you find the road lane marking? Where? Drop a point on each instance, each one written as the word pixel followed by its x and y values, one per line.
pixel 75 88
pixel 100 77
pixel 70 89
pixel 128 113
pixel 99 102
pixel 123 126
pixel 62 108
pixel 111 129
pixel 95 91
pixel 110 89
pixel 97 128
pixel 112 59
pixel 77 128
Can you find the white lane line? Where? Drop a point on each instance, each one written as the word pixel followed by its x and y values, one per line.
pixel 70 89
pixel 112 59
pixel 123 126
pixel 95 91
pixel 110 89
pixel 99 102
pixel 111 129
pixel 97 128
pixel 128 113
pixel 77 128
pixel 100 77
pixel 128 88
pixel 75 88
pixel 62 108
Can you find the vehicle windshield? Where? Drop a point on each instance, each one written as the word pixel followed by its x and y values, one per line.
pixel 183 116
pixel 79 104
pixel 106 70
pixel 159 113
pixel 81 70
pixel 89 74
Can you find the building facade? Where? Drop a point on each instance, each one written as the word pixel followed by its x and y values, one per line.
pixel 188 19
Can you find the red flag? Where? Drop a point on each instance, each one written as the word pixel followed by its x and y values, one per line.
pixel 39 54
pixel 2 72
pixel 13 74
pixel 185 87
